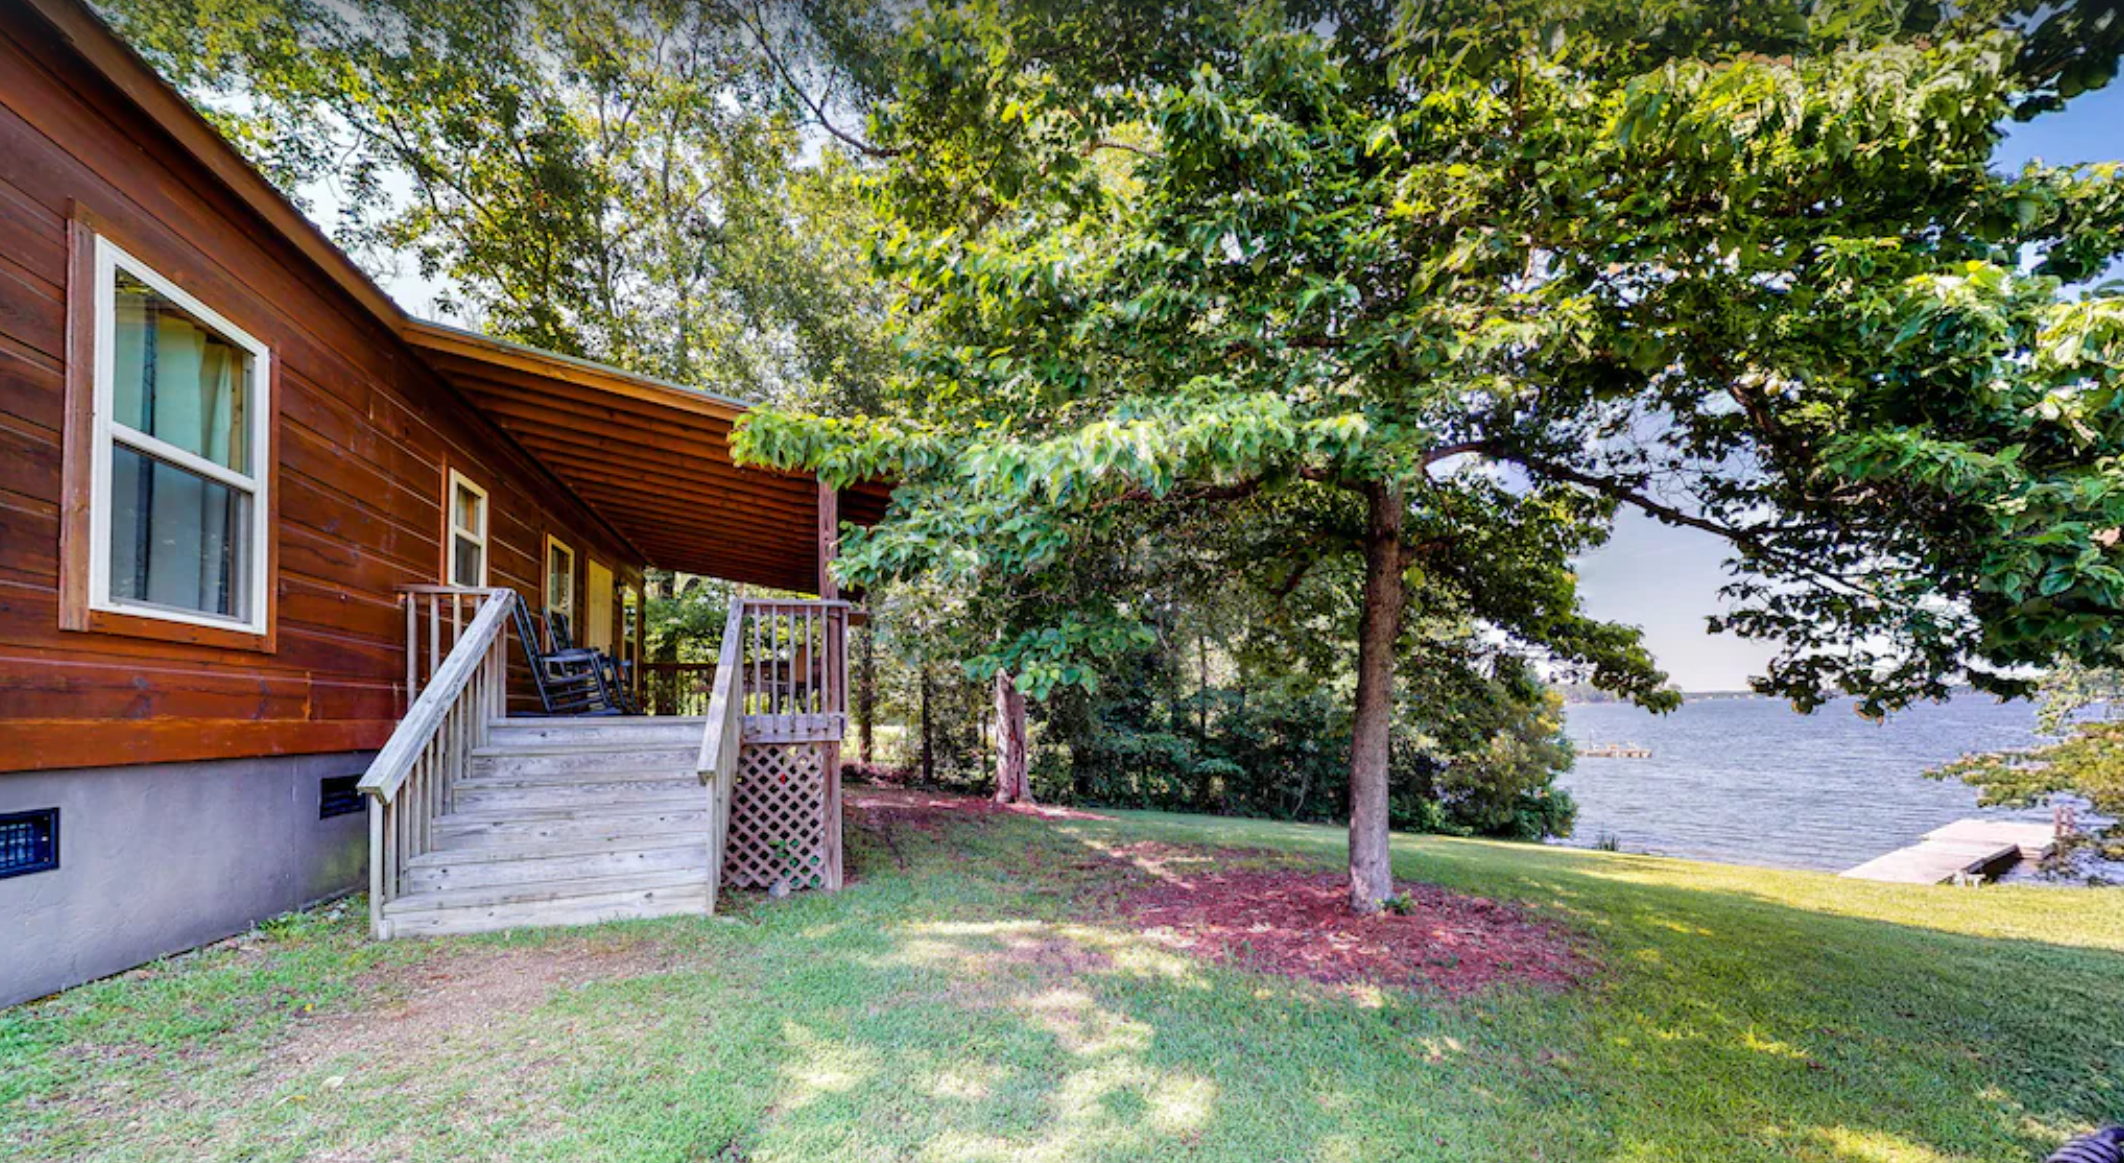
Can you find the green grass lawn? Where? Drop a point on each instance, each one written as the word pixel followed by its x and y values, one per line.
pixel 967 999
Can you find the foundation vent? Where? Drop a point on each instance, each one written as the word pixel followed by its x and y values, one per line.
pixel 29 842
pixel 339 795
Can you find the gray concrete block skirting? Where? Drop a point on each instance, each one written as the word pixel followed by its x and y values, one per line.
pixel 158 858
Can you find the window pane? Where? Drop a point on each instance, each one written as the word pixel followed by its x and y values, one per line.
pixel 560 579
pixel 464 510
pixel 177 539
pixel 177 380
pixel 465 555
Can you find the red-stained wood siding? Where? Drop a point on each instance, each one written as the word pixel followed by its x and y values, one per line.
pixel 366 435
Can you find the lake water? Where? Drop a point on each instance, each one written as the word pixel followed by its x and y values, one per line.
pixel 1747 781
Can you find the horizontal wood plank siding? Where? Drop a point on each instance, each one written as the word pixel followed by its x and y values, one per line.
pixel 366 435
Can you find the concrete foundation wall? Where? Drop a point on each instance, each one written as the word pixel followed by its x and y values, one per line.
pixel 158 858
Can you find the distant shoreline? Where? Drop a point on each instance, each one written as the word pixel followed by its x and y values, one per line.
pixel 1601 698
pixel 1586 697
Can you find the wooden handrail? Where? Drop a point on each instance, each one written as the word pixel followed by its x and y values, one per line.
pixel 721 737
pixel 413 779
pixel 387 772
pixel 725 703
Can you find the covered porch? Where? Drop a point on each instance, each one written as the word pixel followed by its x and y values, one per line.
pixel 759 743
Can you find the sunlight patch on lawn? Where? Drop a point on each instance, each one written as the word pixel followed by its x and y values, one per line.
pixel 959 1146
pixel 1118 1107
pixel 1083 1028
pixel 957 1083
pixel 1340 1148
pixel 1122 1102
pixel 818 1066
pixel 1874 1147
pixel 1182 1105
pixel 1773 1047
pixel 1435 1049
pixel 986 950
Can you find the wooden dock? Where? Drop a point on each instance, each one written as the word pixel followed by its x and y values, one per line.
pixel 1615 751
pixel 1963 848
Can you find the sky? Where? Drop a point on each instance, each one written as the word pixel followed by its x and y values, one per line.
pixel 1666 580
pixel 1662 579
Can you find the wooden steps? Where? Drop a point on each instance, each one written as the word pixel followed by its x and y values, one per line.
pixel 567 732
pixel 481 829
pixel 565 822
pixel 579 902
pixel 1963 848
pixel 670 793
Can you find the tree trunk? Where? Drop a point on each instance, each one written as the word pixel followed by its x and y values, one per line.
pixel 1202 691
pixel 1012 786
pixel 929 753
pixel 866 707
pixel 1371 870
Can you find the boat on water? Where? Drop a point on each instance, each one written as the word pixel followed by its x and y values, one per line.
pixel 1615 751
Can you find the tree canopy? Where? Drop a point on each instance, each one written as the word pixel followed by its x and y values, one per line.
pixel 629 182
pixel 1441 286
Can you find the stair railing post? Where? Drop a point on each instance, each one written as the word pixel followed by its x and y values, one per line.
pixel 412 781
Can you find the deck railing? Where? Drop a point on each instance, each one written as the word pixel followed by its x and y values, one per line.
pixel 796 669
pixel 436 617
pixel 781 678
pixel 677 688
pixel 413 779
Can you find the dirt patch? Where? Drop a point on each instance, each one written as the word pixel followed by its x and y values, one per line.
pixel 1055 955
pixel 411 1010
pixel 1298 924
pixel 431 1016
pixel 929 811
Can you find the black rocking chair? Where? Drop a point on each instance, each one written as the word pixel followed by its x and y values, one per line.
pixel 615 677
pixel 570 681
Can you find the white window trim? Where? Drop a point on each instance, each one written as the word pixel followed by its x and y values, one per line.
pixel 545 584
pixel 110 259
pixel 452 530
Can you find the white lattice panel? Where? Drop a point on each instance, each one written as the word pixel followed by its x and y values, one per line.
pixel 779 813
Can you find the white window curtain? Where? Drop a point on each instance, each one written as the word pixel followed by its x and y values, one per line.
pixel 178 538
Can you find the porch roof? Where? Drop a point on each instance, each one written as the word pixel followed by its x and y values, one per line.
pixel 649 457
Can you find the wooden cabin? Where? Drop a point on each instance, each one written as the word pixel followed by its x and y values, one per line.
pixel 261 536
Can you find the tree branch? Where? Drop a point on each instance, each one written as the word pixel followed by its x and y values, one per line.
pixel 1747 539
pixel 757 27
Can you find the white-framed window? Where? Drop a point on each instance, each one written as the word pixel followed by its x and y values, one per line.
pixel 468 532
pixel 181 459
pixel 631 624
pixel 560 585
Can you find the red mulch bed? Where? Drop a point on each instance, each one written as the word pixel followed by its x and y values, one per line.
pixel 1292 922
pixel 1299 924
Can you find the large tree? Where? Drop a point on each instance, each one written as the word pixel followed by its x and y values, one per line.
pixel 630 181
pixel 1470 277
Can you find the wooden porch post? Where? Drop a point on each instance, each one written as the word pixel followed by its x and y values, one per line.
pixel 834 675
pixel 829 539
